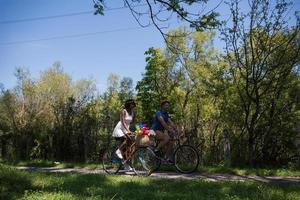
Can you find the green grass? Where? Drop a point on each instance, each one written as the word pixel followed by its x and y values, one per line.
pixel 283 172
pixel 32 163
pixel 15 184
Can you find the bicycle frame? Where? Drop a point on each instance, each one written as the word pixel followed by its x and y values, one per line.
pixel 130 149
pixel 176 141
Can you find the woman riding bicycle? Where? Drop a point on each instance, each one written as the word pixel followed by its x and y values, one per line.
pixel 162 122
pixel 121 132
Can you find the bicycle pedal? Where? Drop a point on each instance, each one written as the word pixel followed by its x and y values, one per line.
pixel 166 162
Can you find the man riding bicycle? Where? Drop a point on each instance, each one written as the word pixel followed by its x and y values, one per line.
pixel 161 124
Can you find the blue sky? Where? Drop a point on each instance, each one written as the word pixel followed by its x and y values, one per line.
pixel 119 52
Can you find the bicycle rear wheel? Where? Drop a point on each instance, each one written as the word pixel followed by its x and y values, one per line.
pixel 110 161
pixel 145 161
pixel 186 159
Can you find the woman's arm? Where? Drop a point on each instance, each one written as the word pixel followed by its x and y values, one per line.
pixel 124 122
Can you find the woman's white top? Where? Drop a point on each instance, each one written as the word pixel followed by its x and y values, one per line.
pixel 120 130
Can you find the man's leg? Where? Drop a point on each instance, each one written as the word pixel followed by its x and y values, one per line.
pixel 170 150
pixel 162 138
pixel 170 147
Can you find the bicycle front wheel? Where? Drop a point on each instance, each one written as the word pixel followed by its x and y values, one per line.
pixel 110 161
pixel 186 159
pixel 145 161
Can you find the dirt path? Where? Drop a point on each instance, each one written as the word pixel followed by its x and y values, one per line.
pixel 174 175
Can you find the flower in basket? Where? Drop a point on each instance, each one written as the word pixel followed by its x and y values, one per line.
pixel 138 129
pixel 142 129
pixel 145 130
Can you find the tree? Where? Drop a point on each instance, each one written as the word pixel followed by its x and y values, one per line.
pixel 156 84
pixel 194 80
pixel 158 12
pixel 126 89
pixel 8 122
pixel 262 51
pixel 49 118
pixel 112 105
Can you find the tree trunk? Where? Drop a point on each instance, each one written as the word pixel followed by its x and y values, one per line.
pixel 250 147
pixel 3 148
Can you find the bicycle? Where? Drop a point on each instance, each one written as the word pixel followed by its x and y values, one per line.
pixel 139 157
pixel 144 161
pixel 185 157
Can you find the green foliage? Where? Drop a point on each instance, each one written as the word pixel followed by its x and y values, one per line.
pixel 126 89
pixel 263 51
pixel 153 87
pixel 56 118
pixel 198 21
pixel 194 80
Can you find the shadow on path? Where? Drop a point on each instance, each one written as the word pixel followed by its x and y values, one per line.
pixel 174 175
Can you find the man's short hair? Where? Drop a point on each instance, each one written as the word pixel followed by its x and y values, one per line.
pixel 164 102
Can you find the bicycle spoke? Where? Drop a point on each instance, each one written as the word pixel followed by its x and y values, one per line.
pixel 145 161
pixel 111 163
pixel 186 159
